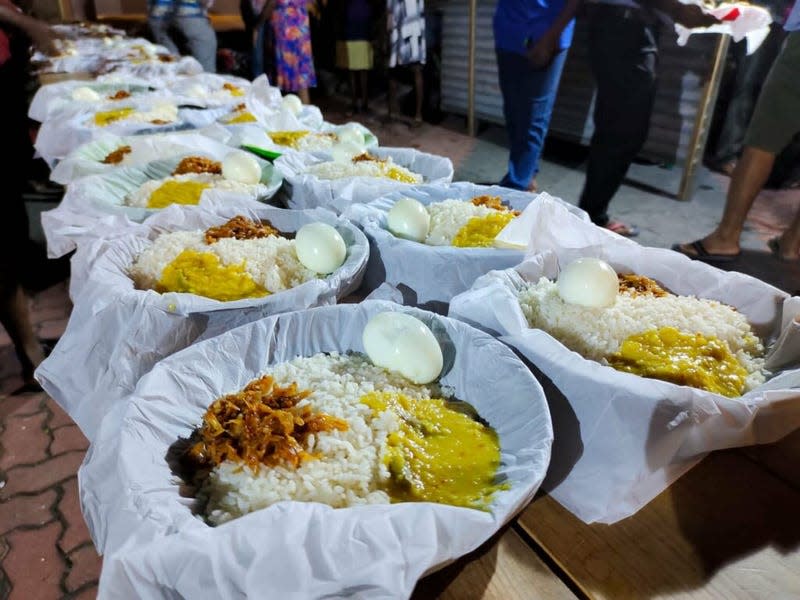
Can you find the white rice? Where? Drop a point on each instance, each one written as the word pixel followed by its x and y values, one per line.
pixel 315 142
pixel 448 217
pixel 364 168
pixel 141 196
pixel 596 333
pixel 160 112
pixel 271 261
pixel 349 471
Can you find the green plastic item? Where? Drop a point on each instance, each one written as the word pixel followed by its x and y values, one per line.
pixel 262 152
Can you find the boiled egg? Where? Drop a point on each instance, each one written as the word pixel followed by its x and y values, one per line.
pixel 404 344
pixel 241 167
pixel 196 91
pixel 320 248
pixel 351 135
pixel 85 94
pixel 292 103
pixel 409 219
pixel 588 282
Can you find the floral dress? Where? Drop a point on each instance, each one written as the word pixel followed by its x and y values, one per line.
pixel 294 63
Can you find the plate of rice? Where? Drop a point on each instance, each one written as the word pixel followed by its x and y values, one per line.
pixel 66 95
pixel 127 321
pixel 333 526
pixel 209 89
pixel 454 238
pixel 316 179
pixel 679 360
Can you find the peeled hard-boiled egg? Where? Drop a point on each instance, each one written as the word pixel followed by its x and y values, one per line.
pixel 85 94
pixel 402 343
pixel 588 282
pixel 241 167
pixel 409 219
pixel 320 247
pixel 292 103
pixel 351 135
pixel 345 151
pixel 196 91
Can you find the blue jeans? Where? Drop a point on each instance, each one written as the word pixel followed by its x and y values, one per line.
pixel 528 98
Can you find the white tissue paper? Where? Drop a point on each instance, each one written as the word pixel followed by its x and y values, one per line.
pixel 424 273
pixel 155 547
pixel 94 206
pixel 116 333
pixel 54 98
pixel 740 20
pixel 264 102
pixel 303 190
pixel 207 89
pixel 622 439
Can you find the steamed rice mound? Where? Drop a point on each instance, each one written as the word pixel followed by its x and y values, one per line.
pixel 348 470
pixel 384 169
pixel 448 217
pixel 141 196
pixel 597 333
pixel 271 261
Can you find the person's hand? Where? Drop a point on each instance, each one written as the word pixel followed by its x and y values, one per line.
pixel 44 38
pixel 692 16
pixel 541 53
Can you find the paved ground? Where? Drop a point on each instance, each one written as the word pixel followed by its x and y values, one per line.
pixel 45 548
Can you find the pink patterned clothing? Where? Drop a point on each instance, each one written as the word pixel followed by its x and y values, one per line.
pixel 294 63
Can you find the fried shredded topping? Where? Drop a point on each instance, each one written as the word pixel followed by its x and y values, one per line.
pixel 116 156
pixel 160 122
pixel 120 95
pixel 166 58
pixel 240 107
pixel 198 164
pixel 240 228
pixel 639 285
pixel 367 157
pixel 261 425
pixel 493 202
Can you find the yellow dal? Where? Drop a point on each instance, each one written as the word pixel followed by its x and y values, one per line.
pixel 106 117
pixel 201 273
pixel 479 232
pixel 682 358
pixel 245 117
pixel 287 138
pixel 176 192
pixel 398 175
pixel 439 454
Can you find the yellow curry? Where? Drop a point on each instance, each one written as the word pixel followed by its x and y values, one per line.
pixel 176 192
pixel 287 138
pixel 438 454
pixel 106 117
pixel 479 232
pixel 201 273
pixel 682 358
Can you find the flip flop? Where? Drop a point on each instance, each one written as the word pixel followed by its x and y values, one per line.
pixel 622 229
pixel 700 253
pixel 775 247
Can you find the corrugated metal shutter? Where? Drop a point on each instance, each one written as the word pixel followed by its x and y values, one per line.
pixel 682 73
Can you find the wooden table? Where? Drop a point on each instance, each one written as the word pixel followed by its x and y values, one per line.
pixel 728 529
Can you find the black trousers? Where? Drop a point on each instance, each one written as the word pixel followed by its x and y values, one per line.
pixel 623 56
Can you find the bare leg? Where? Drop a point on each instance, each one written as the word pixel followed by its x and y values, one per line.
pixel 15 317
pixel 749 177
pixel 790 240
pixel 418 88
pixel 304 96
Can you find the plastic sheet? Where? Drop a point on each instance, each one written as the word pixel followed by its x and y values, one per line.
pixel 117 333
pixel 623 439
pixel 154 547
pixel 308 191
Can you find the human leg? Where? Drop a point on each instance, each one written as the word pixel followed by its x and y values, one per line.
pixel 528 99
pixel 201 40
pixel 623 59
pixel 419 91
pixel 363 78
pixel 159 28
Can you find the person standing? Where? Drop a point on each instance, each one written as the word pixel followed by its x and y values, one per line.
pixel 354 52
pixel 531 42
pixel 17 30
pixel 256 15
pixel 294 62
pixel 623 57
pixel 405 21
pixel 775 122
pixel 190 18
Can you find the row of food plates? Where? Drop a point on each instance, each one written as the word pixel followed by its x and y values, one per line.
pixel 254 431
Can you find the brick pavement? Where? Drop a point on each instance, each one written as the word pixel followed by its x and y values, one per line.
pixel 45 550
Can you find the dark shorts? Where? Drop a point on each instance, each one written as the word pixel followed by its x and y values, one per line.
pixel 776 119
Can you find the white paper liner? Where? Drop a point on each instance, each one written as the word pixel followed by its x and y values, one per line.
pixel 303 190
pixel 94 206
pixel 426 273
pixel 54 98
pixel 154 547
pixel 117 333
pixel 623 439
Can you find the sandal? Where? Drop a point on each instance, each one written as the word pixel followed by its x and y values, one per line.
pixel 622 229
pixel 699 252
pixel 775 247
